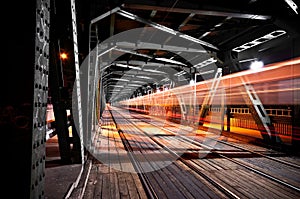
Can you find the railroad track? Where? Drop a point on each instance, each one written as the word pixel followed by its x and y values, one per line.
pixel 159 124
pixel 194 165
pixel 149 188
pixel 242 149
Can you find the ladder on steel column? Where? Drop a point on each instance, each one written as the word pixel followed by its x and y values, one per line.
pixel 93 36
pixel 256 107
pixel 92 79
pixel 259 113
pixel 210 96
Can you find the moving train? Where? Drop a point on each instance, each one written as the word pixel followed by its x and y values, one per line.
pixel 252 100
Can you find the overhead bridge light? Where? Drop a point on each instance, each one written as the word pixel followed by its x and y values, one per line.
pixel 128 66
pixel 180 73
pixel 205 62
pixel 263 39
pixel 293 5
pixel 256 65
pixel 206 72
pixel 120 79
pixel 170 61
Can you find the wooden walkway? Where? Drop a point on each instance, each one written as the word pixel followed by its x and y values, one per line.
pixel 107 179
pixel 106 182
pixel 110 173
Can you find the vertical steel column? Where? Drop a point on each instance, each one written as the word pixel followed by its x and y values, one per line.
pixel 40 99
pixel 93 98
pixel 296 117
pixel 88 80
pixel 77 104
pixel 56 89
pixel 92 68
pixel 23 101
pixel 228 116
pixel 296 128
pixel 227 71
pixel 77 80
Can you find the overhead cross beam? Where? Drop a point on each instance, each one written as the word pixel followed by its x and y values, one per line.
pixel 199 12
pixel 134 17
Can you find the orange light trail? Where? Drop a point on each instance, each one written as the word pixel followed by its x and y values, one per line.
pixel 277 83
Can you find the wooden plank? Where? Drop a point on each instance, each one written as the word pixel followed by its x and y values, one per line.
pixel 231 178
pixel 139 186
pixel 106 186
pixel 204 185
pixel 123 190
pixel 142 161
pixel 227 165
pixel 181 182
pixel 188 179
pixel 278 170
pixel 212 164
pixel 132 190
pixel 114 187
pixel 98 183
pixel 207 183
pixel 270 186
pixel 203 164
pixel 171 186
pixel 103 169
pixel 167 186
pixel 91 183
pixel 157 184
pixel 228 184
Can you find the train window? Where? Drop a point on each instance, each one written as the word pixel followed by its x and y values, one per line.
pixel 279 112
pixel 285 113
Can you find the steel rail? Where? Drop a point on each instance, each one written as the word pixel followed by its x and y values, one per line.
pixel 233 160
pixel 145 181
pixel 223 189
pixel 238 147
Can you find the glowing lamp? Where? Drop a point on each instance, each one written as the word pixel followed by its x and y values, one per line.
pixel 63 56
pixel 256 65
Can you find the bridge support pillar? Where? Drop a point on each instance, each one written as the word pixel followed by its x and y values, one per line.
pixel 296 128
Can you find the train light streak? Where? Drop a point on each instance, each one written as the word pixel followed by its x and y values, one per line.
pixel 274 83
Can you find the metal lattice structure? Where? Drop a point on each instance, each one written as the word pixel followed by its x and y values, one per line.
pixel 40 98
